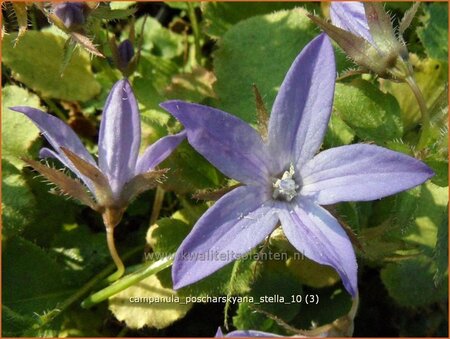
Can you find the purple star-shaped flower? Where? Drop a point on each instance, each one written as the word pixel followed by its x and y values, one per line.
pixel 121 174
pixel 284 180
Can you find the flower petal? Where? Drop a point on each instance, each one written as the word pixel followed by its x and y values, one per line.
pixel 302 108
pixel 351 16
pixel 247 334
pixel 317 234
pixel 229 143
pixel 158 152
pixel 120 136
pixel 237 222
pixel 360 173
pixel 58 134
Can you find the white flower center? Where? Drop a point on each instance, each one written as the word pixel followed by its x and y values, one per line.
pixel 286 187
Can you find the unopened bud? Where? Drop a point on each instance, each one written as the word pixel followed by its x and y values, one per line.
pixel 126 53
pixel 70 13
pixel 365 33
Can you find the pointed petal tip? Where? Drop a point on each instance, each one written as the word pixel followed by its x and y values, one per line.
pixel 302 107
pixel 219 333
pixel 321 41
pixel 159 151
pixel 23 109
pixel 173 107
pixel 178 282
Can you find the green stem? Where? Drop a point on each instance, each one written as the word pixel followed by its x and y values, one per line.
pixel 115 256
pixel 426 126
pixel 128 270
pixel 157 204
pixel 127 281
pixel 195 30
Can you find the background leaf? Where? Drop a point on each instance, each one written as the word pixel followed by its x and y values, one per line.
pixel 18 132
pixel 221 16
pixel 373 115
pixel 419 291
pixel 158 314
pixel 29 64
pixel 434 30
pixel 18 202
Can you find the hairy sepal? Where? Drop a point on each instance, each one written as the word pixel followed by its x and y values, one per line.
pixel 65 184
pixel 103 191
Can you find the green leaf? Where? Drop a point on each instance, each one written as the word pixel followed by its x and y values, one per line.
pixel 13 323
pixel 338 133
pixel 121 4
pixel 189 171
pixel 166 235
pixel 441 251
pixel 193 87
pixel 411 283
pixel 431 204
pixel 159 310
pixel 373 115
pixel 407 224
pixel 246 318
pixel 84 323
pixel 270 299
pixel 311 273
pixel 221 16
pixel 159 40
pixel 33 282
pixel 440 168
pixel 434 30
pixel 18 132
pixel 28 65
pixel 82 259
pixel 273 275
pixel 333 304
pixel 181 5
pixel 431 77
pixel 104 11
pixel 245 57
pixel 18 202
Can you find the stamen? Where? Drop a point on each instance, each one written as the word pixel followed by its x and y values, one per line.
pixel 286 187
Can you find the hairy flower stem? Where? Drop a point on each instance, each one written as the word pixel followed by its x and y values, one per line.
pixel 157 204
pixel 425 130
pixel 112 249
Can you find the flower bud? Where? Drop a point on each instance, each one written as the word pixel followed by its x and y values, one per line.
pixel 125 53
pixel 365 32
pixel 70 13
